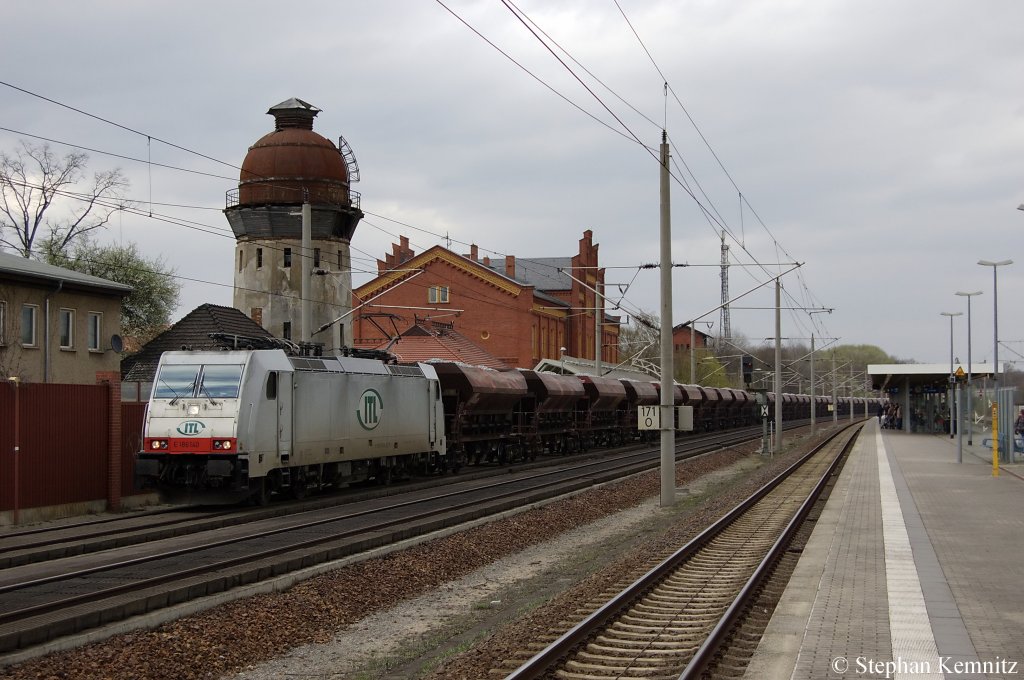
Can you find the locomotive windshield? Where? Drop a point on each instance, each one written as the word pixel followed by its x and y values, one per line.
pixel 213 381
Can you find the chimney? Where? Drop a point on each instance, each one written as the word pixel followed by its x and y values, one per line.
pixel 510 266
pixel 487 261
pixel 473 252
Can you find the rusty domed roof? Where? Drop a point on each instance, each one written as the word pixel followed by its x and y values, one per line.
pixel 293 159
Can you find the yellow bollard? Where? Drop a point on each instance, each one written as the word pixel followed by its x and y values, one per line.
pixel 995 440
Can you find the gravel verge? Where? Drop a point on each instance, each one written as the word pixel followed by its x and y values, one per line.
pixel 365 621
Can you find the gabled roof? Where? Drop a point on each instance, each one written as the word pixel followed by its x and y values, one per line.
pixel 543 273
pixel 193 330
pixel 435 254
pixel 30 271
pixel 423 343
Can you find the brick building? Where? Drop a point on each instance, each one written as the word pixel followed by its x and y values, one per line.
pixel 520 310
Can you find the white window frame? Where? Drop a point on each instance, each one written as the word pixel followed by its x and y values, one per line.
pixel 438 295
pixel 34 339
pixel 69 315
pixel 94 331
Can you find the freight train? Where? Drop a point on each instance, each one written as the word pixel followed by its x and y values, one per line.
pixel 223 426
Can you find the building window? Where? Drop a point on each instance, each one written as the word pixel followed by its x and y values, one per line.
pixel 240 255
pixel 287 257
pixel 67 328
pixel 316 257
pixel 287 330
pixel 259 258
pixel 3 321
pixel 438 294
pixel 95 326
pixel 28 324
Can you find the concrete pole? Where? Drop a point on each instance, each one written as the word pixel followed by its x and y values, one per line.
pixel 852 407
pixel 668 432
pixel 949 387
pixel 812 385
pixel 693 356
pixel 598 319
pixel 306 272
pixel 835 403
pixel 970 403
pixel 778 365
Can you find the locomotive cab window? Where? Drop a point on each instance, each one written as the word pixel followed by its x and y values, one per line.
pixel 272 385
pixel 220 381
pixel 213 381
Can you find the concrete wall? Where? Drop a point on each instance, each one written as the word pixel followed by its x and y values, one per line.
pixel 46 360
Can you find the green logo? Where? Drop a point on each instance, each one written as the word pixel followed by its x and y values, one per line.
pixel 370 409
pixel 190 428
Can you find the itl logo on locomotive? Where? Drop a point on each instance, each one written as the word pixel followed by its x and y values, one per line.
pixel 190 428
pixel 371 408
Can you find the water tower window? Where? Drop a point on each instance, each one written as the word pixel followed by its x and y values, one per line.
pixel 287 330
pixel 287 257
pixel 259 258
pixel 316 257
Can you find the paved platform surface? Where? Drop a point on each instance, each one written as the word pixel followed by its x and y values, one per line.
pixel 914 570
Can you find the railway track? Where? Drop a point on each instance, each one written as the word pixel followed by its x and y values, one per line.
pixel 672 622
pixel 45 600
pixel 69 539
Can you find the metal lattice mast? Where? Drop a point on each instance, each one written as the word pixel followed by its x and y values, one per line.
pixel 724 327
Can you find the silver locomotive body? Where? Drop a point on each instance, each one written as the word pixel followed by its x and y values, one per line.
pixel 224 425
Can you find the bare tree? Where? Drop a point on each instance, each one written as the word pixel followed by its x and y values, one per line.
pixel 39 190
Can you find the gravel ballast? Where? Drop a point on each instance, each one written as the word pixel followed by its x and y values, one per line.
pixel 408 614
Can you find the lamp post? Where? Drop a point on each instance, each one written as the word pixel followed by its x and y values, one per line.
pixel 970 405
pixel 995 340
pixel 561 358
pixel 995 313
pixel 949 392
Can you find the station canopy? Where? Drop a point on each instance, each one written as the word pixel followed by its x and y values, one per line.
pixel 921 377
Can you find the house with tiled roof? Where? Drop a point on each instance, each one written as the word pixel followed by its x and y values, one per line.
pixel 519 310
pixel 437 341
pixel 57 325
pixel 191 332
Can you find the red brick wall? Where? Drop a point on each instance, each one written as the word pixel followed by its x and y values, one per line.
pixel 492 318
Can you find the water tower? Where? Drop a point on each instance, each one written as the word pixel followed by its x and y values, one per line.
pixel 284 170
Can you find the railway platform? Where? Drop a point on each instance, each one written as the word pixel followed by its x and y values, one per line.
pixel 915 569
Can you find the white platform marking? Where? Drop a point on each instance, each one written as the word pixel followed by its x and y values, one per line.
pixel 913 644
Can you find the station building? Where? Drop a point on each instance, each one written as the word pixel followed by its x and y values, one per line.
pixel 519 310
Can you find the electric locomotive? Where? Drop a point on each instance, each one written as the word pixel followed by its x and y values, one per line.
pixel 222 426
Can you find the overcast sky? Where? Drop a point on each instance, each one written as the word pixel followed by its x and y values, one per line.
pixel 880 143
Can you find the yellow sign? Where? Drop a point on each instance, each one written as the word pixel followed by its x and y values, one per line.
pixel 960 371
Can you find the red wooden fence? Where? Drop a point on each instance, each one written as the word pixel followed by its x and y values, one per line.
pixel 63 434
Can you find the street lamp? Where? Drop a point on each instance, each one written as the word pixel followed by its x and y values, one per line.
pixel 561 356
pixel 950 390
pixel 995 313
pixel 970 406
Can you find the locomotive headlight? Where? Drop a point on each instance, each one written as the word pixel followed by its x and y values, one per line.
pixel 223 444
pixel 156 444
